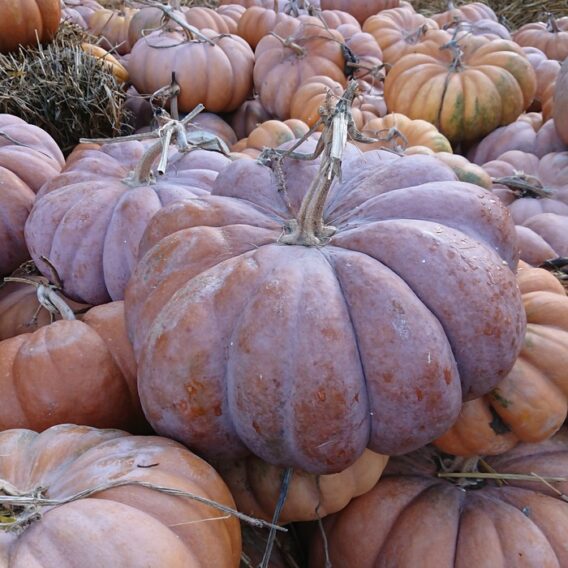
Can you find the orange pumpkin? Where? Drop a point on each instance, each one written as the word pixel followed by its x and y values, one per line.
pixel 471 12
pixel 110 62
pixel 400 30
pixel 474 90
pixel 359 9
pixel 113 27
pixel 531 403
pixel 247 117
pixel 128 526
pixel 257 21
pixel 255 486
pixel 23 22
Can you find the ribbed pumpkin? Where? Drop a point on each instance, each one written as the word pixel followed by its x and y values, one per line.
pixel 29 157
pixel 129 526
pixel 524 135
pixel 349 339
pixel 486 84
pixel 23 22
pixel 403 133
pixel 359 9
pixel 271 134
pixel 399 31
pixel 304 48
pixel 543 184
pixel 247 117
pixel 157 55
pixel 546 72
pixel 257 21
pixel 89 220
pixel 413 518
pixel 78 371
pixel 472 12
pixel 255 486
pixel 531 403
pixel 550 37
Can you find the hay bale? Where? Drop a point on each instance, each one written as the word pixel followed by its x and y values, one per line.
pixel 68 93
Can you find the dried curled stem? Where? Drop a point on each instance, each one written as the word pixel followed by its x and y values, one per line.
pixel 19 509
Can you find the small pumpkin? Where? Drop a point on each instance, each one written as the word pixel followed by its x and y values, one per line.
pixel 471 12
pixel 247 117
pixel 255 486
pixel 531 403
pixel 112 26
pixel 110 62
pixel 560 103
pixel 482 522
pixel 359 9
pixel 131 525
pixel 551 37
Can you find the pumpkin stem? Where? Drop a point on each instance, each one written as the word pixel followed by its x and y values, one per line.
pixel 414 37
pixel 171 14
pixel 457 53
pixel 551 24
pixel 524 186
pixel 289 42
pixel 309 229
pixel 47 297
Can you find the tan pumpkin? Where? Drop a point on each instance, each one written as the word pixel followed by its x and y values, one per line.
pixel 298 50
pixel 471 12
pixel 257 21
pixel 401 132
pixel 247 117
pixel 311 95
pixel 204 17
pixel 232 13
pixel 485 84
pixel 255 486
pixel 112 26
pixel 128 526
pixel 531 403
pixel 551 37
pixel 399 31
pixel 546 72
pixel 271 134
pixel 157 55
pixel 24 22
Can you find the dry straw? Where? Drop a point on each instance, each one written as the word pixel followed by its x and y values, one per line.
pixel 514 13
pixel 63 90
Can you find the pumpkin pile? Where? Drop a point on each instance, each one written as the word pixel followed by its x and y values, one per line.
pixel 283 282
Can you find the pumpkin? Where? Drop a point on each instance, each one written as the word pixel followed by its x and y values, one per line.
pixel 231 13
pixel 397 131
pixel 543 183
pixel 247 117
pixel 213 123
pixel 298 50
pixel 546 72
pixel 203 17
pixel 560 103
pixel 471 12
pixel 487 28
pixel 271 134
pixel 545 237
pixel 486 84
pixel 157 55
pixel 24 22
pixel 531 403
pixel 78 371
pixel 550 37
pixel 255 486
pixel 463 168
pixel 132 525
pixel 257 21
pixel 89 220
pixel 368 371
pixel 143 22
pixel 359 9
pixel 312 94
pixel 110 62
pixel 29 157
pixel 399 31
pixel 482 522
pixel 112 27
pixel 523 135
pixel 78 12
pixel 365 58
